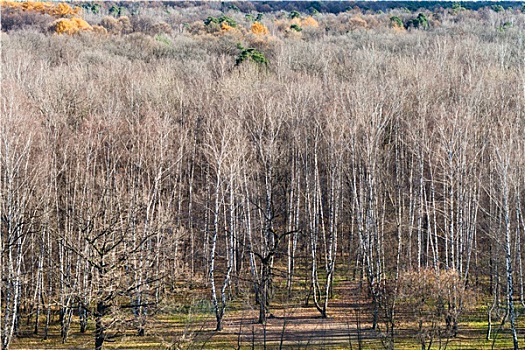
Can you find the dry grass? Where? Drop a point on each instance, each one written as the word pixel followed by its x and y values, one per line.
pixel 292 325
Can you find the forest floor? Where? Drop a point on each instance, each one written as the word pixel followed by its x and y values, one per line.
pixel 291 325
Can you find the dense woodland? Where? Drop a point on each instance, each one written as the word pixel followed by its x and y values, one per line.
pixel 261 154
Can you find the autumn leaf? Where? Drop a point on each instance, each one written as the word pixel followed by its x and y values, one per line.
pixel 259 29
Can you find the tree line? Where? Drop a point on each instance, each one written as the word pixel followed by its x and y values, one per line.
pixel 396 159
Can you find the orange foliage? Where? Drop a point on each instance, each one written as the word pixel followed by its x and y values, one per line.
pixel 225 26
pixel 57 10
pixel 35 6
pixel 309 22
pixel 81 24
pixel 305 22
pixel 259 29
pixel 63 10
pixel 63 25
pixel 70 26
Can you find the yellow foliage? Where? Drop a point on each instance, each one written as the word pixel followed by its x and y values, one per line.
pixel 11 4
pixel 58 10
pixel 225 26
pixel 63 10
pixel 81 24
pixel 259 29
pixel 65 26
pixel 305 22
pixel 70 26
pixel 61 26
pixel 309 22
pixel 35 6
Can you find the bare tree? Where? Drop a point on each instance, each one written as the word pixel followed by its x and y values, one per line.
pixel 19 178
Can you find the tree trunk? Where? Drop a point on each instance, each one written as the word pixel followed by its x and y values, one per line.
pixel 100 335
pixel 508 258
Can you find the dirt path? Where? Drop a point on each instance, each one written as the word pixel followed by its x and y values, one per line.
pixel 297 326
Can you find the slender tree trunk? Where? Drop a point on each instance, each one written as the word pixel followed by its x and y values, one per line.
pixel 218 314
pixel 508 257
